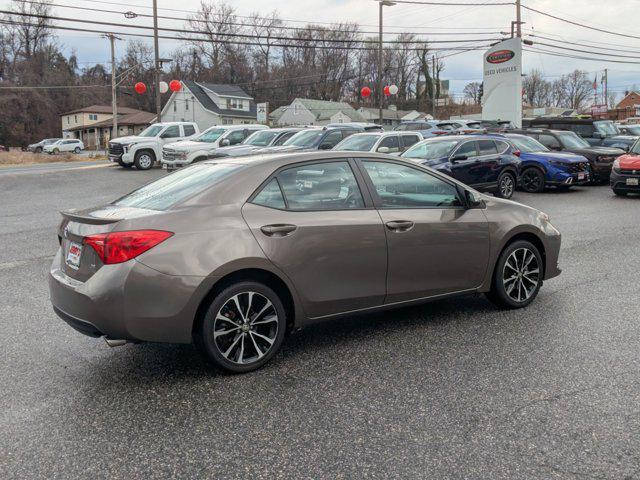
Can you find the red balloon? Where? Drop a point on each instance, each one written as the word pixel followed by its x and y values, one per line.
pixel 386 90
pixel 140 87
pixel 365 92
pixel 175 85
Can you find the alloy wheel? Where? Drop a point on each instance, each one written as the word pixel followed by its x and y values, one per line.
pixel 521 274
pixel 506 186
pixel 531 181
pixel 245 328
pixel 144 161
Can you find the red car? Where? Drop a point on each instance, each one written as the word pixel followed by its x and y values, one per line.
pixel 625 175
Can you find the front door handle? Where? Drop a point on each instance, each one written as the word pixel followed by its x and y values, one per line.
pixel 400 225
pixel 278 230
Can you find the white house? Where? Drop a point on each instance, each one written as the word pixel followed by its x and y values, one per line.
pixel 210 104
pixel 391 117
pixel 305 111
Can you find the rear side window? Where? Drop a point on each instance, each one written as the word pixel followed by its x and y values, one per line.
pixel 270 196
pixel 168 191
pixel 189 130
pixel 321 186
pixel 502 146
pixel 487 147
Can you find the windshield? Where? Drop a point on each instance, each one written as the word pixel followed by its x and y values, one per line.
pixel 358 143
pixel 151 131
pixel 261 138
pixel 307 138
pixel 528 144
pixel 169 190
pixel 635 148
pixel 633 129
pixel 572 140
pixel 210 136
pixel 431 150
pixel 607 128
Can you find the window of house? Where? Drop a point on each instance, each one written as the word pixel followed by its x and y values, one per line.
pixel 321 186
pixel 400 186
pixel 227 121
pixel 186 104
pixel 175 107
pixel 75 118
pixel 68 119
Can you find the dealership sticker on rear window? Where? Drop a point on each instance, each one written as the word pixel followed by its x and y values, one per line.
pixel 73 255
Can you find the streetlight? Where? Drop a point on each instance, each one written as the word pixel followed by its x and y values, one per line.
pixel 382 3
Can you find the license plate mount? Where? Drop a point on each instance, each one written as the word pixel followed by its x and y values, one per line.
pixel 73 255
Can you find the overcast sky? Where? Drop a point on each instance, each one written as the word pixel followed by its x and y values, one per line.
pixel 620 16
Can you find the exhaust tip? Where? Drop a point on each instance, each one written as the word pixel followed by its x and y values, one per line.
pixel 112 342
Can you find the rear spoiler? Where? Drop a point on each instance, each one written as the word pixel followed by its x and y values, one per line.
pixel 72 216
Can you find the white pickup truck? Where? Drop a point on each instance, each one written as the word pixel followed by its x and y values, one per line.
pixel 145 149
pixel 201 147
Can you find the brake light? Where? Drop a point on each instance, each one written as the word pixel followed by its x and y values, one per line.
pixel 516 153
pixel 118 247
pixel 440 132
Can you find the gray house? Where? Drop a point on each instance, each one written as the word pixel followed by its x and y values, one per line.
pixel 305 111
pixel 210 104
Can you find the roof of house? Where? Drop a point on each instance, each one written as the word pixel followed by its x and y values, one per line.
pixel 138 118
pixel 631 94
pixel 388 112
pixel 199 91
pixel 325 109
pixel 101 109
pixel 277 113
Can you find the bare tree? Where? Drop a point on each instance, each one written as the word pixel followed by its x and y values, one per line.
pixel 471 92
pixel 29 28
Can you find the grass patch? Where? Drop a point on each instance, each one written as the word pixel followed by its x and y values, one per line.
pixel 18 157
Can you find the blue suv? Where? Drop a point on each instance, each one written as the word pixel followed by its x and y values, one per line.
pixel 484 162
pixel 542 167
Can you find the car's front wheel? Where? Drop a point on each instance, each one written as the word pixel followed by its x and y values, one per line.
pixel 506 185
pixel 518 275
pixel 532 180
pixel 144 160
pixel 38 150
pixel 243 328
pixel 76 150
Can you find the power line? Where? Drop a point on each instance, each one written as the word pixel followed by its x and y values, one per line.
pixel 607 54
pixel 582 44
pixel 456 4
pixel 557 54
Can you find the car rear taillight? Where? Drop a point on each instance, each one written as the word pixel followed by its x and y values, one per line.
pixel 118 247
pixel 516 153
pixel 440 132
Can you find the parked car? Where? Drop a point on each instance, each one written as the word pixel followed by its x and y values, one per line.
pixel 393 143
pixel 427 128
pixel 64 145
pixel 481 161
pixel 625 176
pixel 201 147
pixel 314 138
pixel 600 158
pixel 631 129
pixel 542 167
pixel 365 126
pixel 145 149
pixel 235 254
pixel 38 147
pixel 271 137
pixel 496 126
pixel 470 127
pixel 598 133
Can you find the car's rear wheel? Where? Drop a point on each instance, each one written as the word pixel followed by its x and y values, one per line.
pixel 76 150
pixel 518 275
pixel 243 327
pixel 506 185
pixel 144 160
pixel 532 180
pixel 38 150
pixel 620 193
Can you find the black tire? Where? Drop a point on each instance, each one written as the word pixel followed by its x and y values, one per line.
pixel 199 159
pixel 38 150
pixel 506 185
pixel 619 193
pixel 502 293
pixel 76 150
pixel 220 348
pixel 144 160
pixel 532 180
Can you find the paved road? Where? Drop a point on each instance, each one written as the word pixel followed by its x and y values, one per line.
pixel 454 389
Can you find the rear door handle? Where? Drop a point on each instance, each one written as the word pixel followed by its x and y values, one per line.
pixel 400 225
pixel 278 230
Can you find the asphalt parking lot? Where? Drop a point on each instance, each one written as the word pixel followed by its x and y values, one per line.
pixel 453 389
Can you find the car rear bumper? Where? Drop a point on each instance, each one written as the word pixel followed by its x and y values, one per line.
pixel 127 301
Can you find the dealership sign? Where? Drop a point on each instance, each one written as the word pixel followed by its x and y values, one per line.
pixel 502 96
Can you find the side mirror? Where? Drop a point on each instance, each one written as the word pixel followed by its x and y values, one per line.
pixel 225 142
pixel 471 199
pixel 383 150
pixel 325 146
pixel 458 158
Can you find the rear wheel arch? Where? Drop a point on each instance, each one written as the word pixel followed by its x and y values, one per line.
pixel 259 275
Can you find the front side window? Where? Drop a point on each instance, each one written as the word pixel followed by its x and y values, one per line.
pixel 332 139
pixel 270 196
pixel 261 138
pixel 468 150
pixel 236 137
pixel 358 143
pixel 391 143
pixel 171 132
pixel 321 186
pixel 400 186
pixel 306 138
pixel 551 142
pixel 211 135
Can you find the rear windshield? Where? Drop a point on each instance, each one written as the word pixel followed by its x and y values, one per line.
pixel 168 191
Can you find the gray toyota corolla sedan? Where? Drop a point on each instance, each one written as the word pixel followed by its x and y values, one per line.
pixel 235 254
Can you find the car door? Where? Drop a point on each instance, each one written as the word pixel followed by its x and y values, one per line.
pixel 435 245
pixel 315 221
pixel 391 144
pixel 466 169
pixel 170 134
pixel 487 170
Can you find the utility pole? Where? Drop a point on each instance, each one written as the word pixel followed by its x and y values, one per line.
pixel 156 72
pixel 606 89
pixel 382 3
pixel 518 19
pixel 433 81
pixel 114 102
